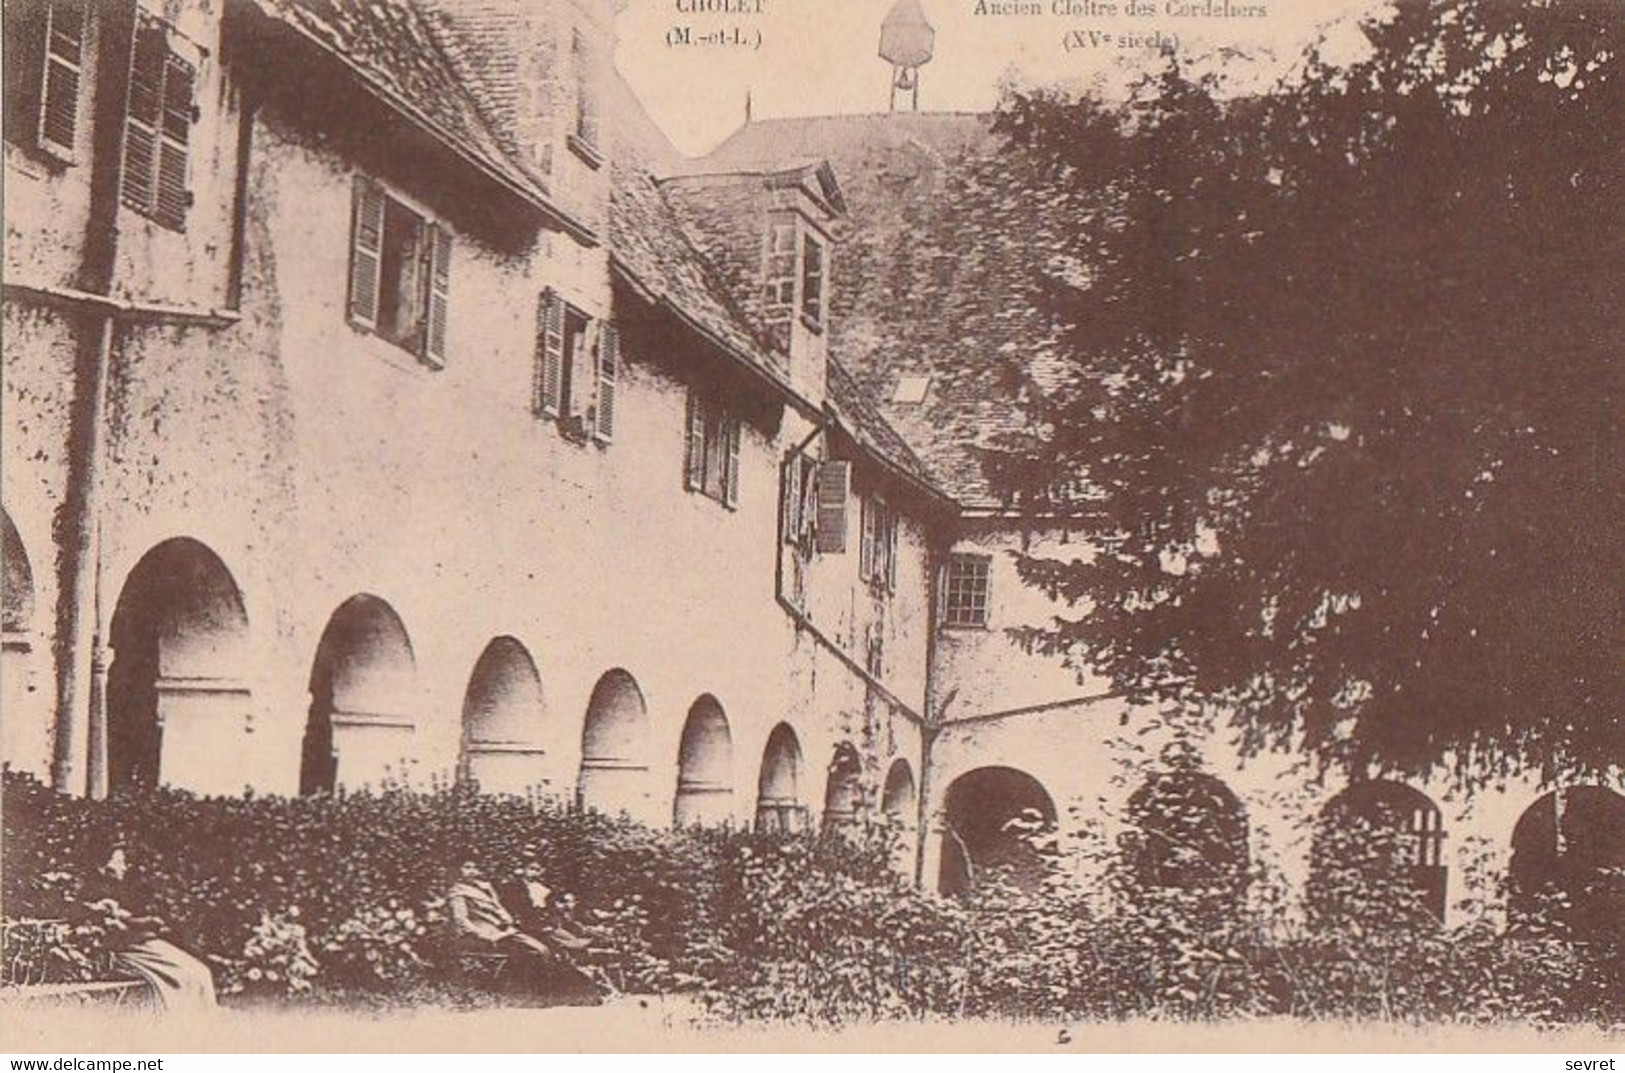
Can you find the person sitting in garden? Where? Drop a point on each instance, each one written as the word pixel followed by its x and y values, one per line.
pixel 137 944
pixel 529 965
pixel 538 912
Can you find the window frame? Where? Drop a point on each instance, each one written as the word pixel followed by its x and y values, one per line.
pixel 153 190
pixel 713 436
pixel 427 339
pixel 877 558
pixel 585 137
pixel 983 564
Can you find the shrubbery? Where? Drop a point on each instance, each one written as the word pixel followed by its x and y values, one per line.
pixel 341 898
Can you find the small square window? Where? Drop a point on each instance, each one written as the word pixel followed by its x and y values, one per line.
pixel 965 591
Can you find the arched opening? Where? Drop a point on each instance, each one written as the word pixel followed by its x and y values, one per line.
pixel 1378 851
pixel 778 798
pixel 17 596
pixel 897 807
pixel 992 819
pixel 363 691
pixel 26 726
pixel 843 793
pixel 705 760
pixel 503 718
pixel 1568 862
pixel 1187 831
pixel 615 748
pixel 179 636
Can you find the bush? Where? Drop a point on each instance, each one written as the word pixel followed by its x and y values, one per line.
pixel 341 899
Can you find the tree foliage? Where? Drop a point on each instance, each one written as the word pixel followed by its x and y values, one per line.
pixel 1340 391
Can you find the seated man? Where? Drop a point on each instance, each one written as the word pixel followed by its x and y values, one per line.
pixel 532 967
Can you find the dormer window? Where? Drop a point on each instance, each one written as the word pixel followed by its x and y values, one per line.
pixel 812 281
pixel 795 272
pixel 584 134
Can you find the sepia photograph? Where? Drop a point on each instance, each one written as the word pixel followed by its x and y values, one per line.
pixel 813 525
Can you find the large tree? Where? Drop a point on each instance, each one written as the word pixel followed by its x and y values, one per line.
pixel 1341 387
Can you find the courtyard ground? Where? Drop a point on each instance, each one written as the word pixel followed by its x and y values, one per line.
pixel 666 1025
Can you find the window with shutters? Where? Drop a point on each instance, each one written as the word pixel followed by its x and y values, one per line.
pixel 577 371
pixel 711 465
pixel 45 73
pixel 800 501
pixel 158 116
pixel 877 555
pixel 400 273
pixel 965 590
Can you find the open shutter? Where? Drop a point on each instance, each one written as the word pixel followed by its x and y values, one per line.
pixel 62 74
pixel 171 199
pixel 694 458
pixel 609 369
pixel 438 307
pixel 366 244
pixel 791 508
pixel 891 553
pixel 149 55
pixel 730 484
pixel 834 488
pixel 549 353
pixel 868 519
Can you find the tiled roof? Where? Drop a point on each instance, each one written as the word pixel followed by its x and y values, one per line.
pixel 861 418
pixel 408 53
pixel 651 247
pixel 936 274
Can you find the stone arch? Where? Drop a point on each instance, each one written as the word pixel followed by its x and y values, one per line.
pixel 1378 835
pixel 615 747
pixel 843 790
pixel 363 698
pixel 26 726
pixel 1571 843
pixel 899 810
pixel 705 759
pixel 1188 831
pixel 504 714
pixel 176 699
pixel 778 788
pixel 990 816
pixel 17 596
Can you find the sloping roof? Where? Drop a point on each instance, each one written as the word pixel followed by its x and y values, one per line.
pixel 407 54
pixel 649 245
pixel 937 274
pixel 862 419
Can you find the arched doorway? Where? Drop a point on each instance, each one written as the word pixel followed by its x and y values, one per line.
pixel 1377 841
pixel 1187 831
pixel 991 818
pixel 778 795
pixel 363 694
pixel 503 718
pixel 26 727
pixel 843 793
pixel 704 767
pixel 176 701
pixel 615 748
pixel 898 808
pixel 1568 862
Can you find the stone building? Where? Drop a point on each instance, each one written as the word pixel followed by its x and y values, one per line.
pixel 386 399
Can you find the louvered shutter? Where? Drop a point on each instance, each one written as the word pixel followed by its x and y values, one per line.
pixel 694 458
pixel 439 282
pixel 144 109
pixel 63 71
pixel 171 199
pixel 834 488
pixel 866 546
pixel 791 486
pixel 891 553
pixel 366 244
pixel 549 378
pixel 609 370
pixel 730 484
